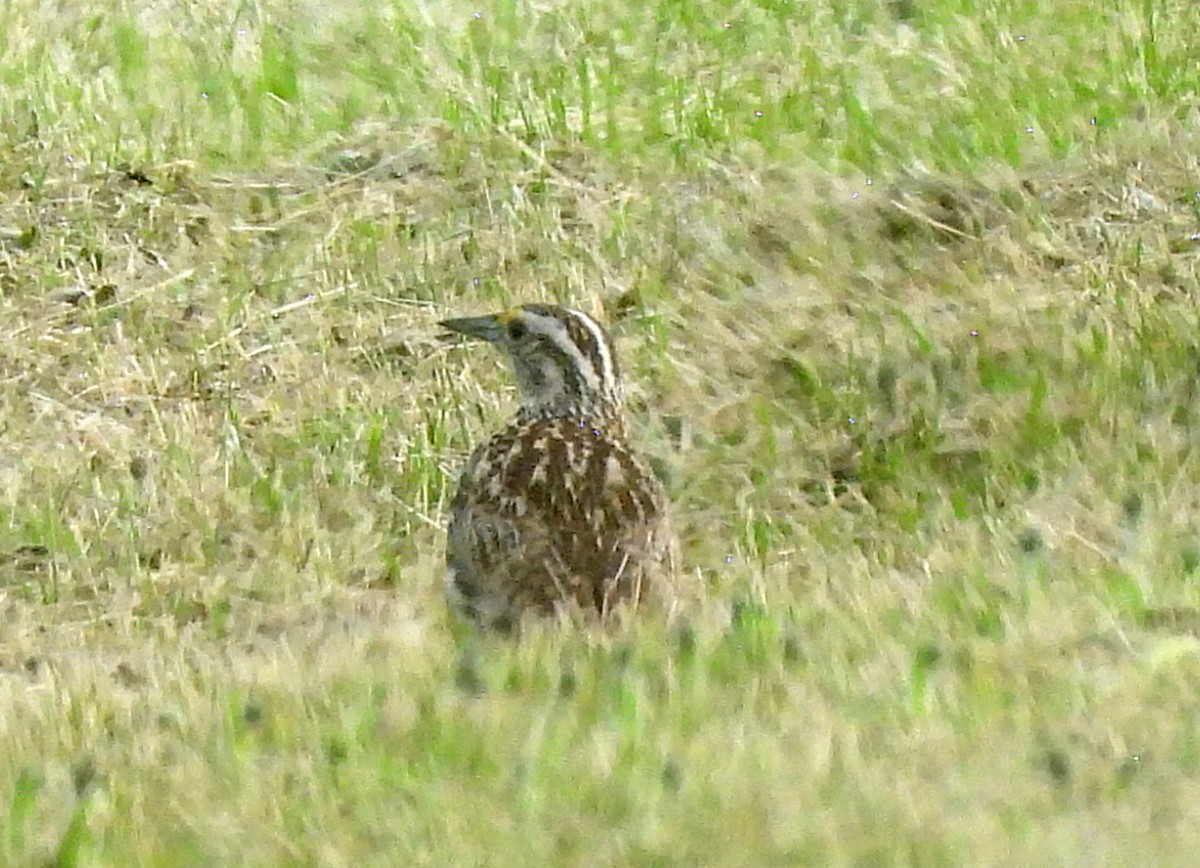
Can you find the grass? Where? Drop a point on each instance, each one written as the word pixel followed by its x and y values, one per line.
pixel 907 296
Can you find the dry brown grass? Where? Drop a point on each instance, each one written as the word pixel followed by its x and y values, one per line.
pixel 927 429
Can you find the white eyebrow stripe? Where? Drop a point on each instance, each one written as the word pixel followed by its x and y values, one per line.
pixel 608 377
pixel 554 329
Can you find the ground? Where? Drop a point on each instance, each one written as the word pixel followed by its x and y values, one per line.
pixel 907 297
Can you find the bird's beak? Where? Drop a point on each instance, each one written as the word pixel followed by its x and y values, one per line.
pixel 486 328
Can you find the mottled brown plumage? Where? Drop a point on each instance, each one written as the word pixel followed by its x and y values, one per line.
pixel 555 513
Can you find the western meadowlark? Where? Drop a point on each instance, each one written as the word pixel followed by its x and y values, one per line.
pixel 555 513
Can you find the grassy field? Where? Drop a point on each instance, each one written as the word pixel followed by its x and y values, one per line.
pixel 907 294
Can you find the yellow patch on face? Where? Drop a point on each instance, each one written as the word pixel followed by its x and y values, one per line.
pixel 508 316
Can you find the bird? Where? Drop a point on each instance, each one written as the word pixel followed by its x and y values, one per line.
pixel 555 514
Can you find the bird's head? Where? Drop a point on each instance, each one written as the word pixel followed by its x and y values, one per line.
pixel 563 360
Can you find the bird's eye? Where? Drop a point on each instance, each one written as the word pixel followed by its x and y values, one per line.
pixel 517 330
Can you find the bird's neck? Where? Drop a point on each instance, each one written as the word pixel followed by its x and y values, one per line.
pixel 606 416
